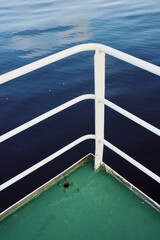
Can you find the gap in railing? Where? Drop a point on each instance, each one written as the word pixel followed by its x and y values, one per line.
pixel 138 143
pixel 133 89
pixel 133 139
pixel 39 91
pixel 132 174
pixel 44 174
pixel 38 142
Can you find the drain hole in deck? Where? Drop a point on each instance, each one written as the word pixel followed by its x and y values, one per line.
pixel 66 184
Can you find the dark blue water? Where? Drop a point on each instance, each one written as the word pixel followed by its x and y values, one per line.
pixel 31 30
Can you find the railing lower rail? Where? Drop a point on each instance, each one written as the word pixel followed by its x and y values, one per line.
pixel 46 160
pixel 100 102
pixel 44 116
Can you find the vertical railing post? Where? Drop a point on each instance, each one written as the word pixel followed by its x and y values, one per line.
pixel 99 81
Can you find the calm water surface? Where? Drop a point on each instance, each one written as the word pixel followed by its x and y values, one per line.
pixel 31 30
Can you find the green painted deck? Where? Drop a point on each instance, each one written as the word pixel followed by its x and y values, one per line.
pixel 94 206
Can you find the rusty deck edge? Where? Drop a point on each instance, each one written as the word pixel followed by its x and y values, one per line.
pixel 44 187
pixel 134 189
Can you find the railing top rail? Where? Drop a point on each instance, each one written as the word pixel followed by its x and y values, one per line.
pixel 73 50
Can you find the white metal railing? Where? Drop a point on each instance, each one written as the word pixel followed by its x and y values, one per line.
pixel 100 102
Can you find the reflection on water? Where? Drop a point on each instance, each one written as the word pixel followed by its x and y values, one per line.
pixel 33 29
